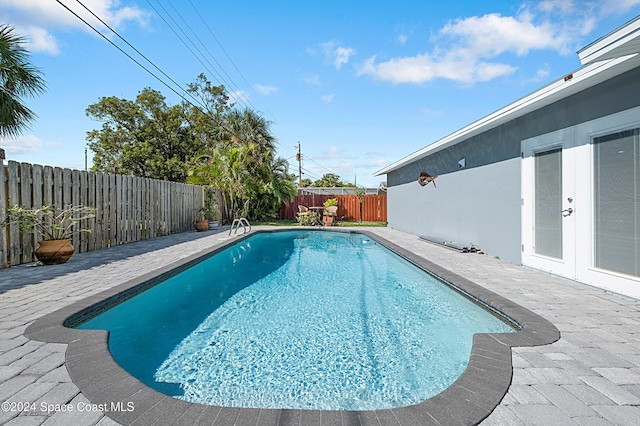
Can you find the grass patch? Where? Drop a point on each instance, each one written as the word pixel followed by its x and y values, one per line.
pixel 295 223
pixel 378 224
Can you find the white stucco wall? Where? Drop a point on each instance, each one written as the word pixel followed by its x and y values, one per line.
pixel 480 205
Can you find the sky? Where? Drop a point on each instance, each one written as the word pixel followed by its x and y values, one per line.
pixel 358 84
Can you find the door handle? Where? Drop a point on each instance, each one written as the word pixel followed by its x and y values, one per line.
pixel 569 210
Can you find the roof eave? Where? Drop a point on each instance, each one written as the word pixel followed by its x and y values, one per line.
pixel 580 79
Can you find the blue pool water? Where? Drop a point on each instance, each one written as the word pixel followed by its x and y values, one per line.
pixel 302 320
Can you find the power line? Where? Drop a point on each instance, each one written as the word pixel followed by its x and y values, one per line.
pixel 225 52
pixel 318 164
pixel 125 53
pixel 211 68
pixel 214 72
pixel 204 46
pixel 136 50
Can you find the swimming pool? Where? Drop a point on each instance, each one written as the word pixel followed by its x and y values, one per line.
pixel 298 320
pixel 470 399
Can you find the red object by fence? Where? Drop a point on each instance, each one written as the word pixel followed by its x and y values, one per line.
pixel 372 208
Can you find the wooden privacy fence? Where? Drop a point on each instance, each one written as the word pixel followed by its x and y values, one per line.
pixel 128 208
pixel 373 208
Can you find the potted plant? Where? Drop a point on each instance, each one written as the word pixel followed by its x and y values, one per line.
pixel 210 210
pixel 330 202
pixel 330 211
pixel 202 224
pixel 56 227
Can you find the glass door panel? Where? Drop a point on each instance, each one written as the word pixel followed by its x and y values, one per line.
pixel 616 169
pixel 548 203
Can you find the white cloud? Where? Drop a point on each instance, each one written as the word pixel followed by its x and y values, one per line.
pixel 542 73
pixel 493 34
pixel 470 51
pixel 402 39
pixel 265 90
pixel 423 68
pixel 314 80
pixel 39 40
pixel 481 48
pixel 337 54
pixel 327 98
pixel 21 145
pixel 239 96
pixel 617 6
pixel 377 163
pixel 39 19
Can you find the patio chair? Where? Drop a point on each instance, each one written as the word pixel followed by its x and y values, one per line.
pixel 330 216
pixel 304 215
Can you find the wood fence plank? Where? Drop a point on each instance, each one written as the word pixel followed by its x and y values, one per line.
pixel 84 201
pixel 135 209
pixel 15 241
pixel 152 202
pixel 113 205
pixel 144 208
pixel 57 188
pixel 124 210
pixel 75 201
pixel 37 179
pixel 66 188
pixel 4 238
pixel 106 216
pixel 91 202
pixel 130 210
pixel 98 244
pixel 47 186
pixel 26 200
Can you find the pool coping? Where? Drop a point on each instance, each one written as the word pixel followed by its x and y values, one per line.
pixel 126 400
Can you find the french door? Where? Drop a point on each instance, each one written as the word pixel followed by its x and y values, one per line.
pixel 548 203
pixel 581 202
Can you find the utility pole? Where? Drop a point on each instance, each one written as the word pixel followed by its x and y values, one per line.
pixel 299 158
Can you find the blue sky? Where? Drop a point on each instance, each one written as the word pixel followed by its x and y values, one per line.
pixel 359 84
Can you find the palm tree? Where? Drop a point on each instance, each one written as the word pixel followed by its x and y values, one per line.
pixel 18 78
pixel 243 166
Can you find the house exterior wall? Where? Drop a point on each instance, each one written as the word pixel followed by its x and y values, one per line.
pixel 481 203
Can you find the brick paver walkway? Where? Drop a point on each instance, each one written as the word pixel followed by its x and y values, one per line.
pixel 591 376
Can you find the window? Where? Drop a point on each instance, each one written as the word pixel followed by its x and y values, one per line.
pixel 548 203
pixel 617 202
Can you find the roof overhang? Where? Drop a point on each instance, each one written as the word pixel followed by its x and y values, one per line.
pixel 620 42
pixel 605 60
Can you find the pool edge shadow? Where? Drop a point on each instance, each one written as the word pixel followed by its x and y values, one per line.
pixel 123 398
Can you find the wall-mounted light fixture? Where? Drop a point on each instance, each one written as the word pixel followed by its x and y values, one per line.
pixel 462 163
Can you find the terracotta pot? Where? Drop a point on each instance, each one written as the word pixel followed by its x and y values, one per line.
pixel 202 225
pixel 53 252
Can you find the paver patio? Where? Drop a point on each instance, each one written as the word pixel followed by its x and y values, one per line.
pixel 591 376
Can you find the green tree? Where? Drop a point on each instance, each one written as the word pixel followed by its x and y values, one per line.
pixel 18 78
pixel 206 118
pixel 306 182
pixel 145 137
pixel 328 180
pixel 254 182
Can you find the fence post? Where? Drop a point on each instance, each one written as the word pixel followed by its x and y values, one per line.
pixel 3 215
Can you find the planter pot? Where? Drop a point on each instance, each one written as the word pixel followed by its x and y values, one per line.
pixel 213 224
pixel 53 252
pixel 202 225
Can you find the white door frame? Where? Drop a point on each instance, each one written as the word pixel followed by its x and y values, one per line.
pixel 578 179
pixel 564 140
pixel 586 271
